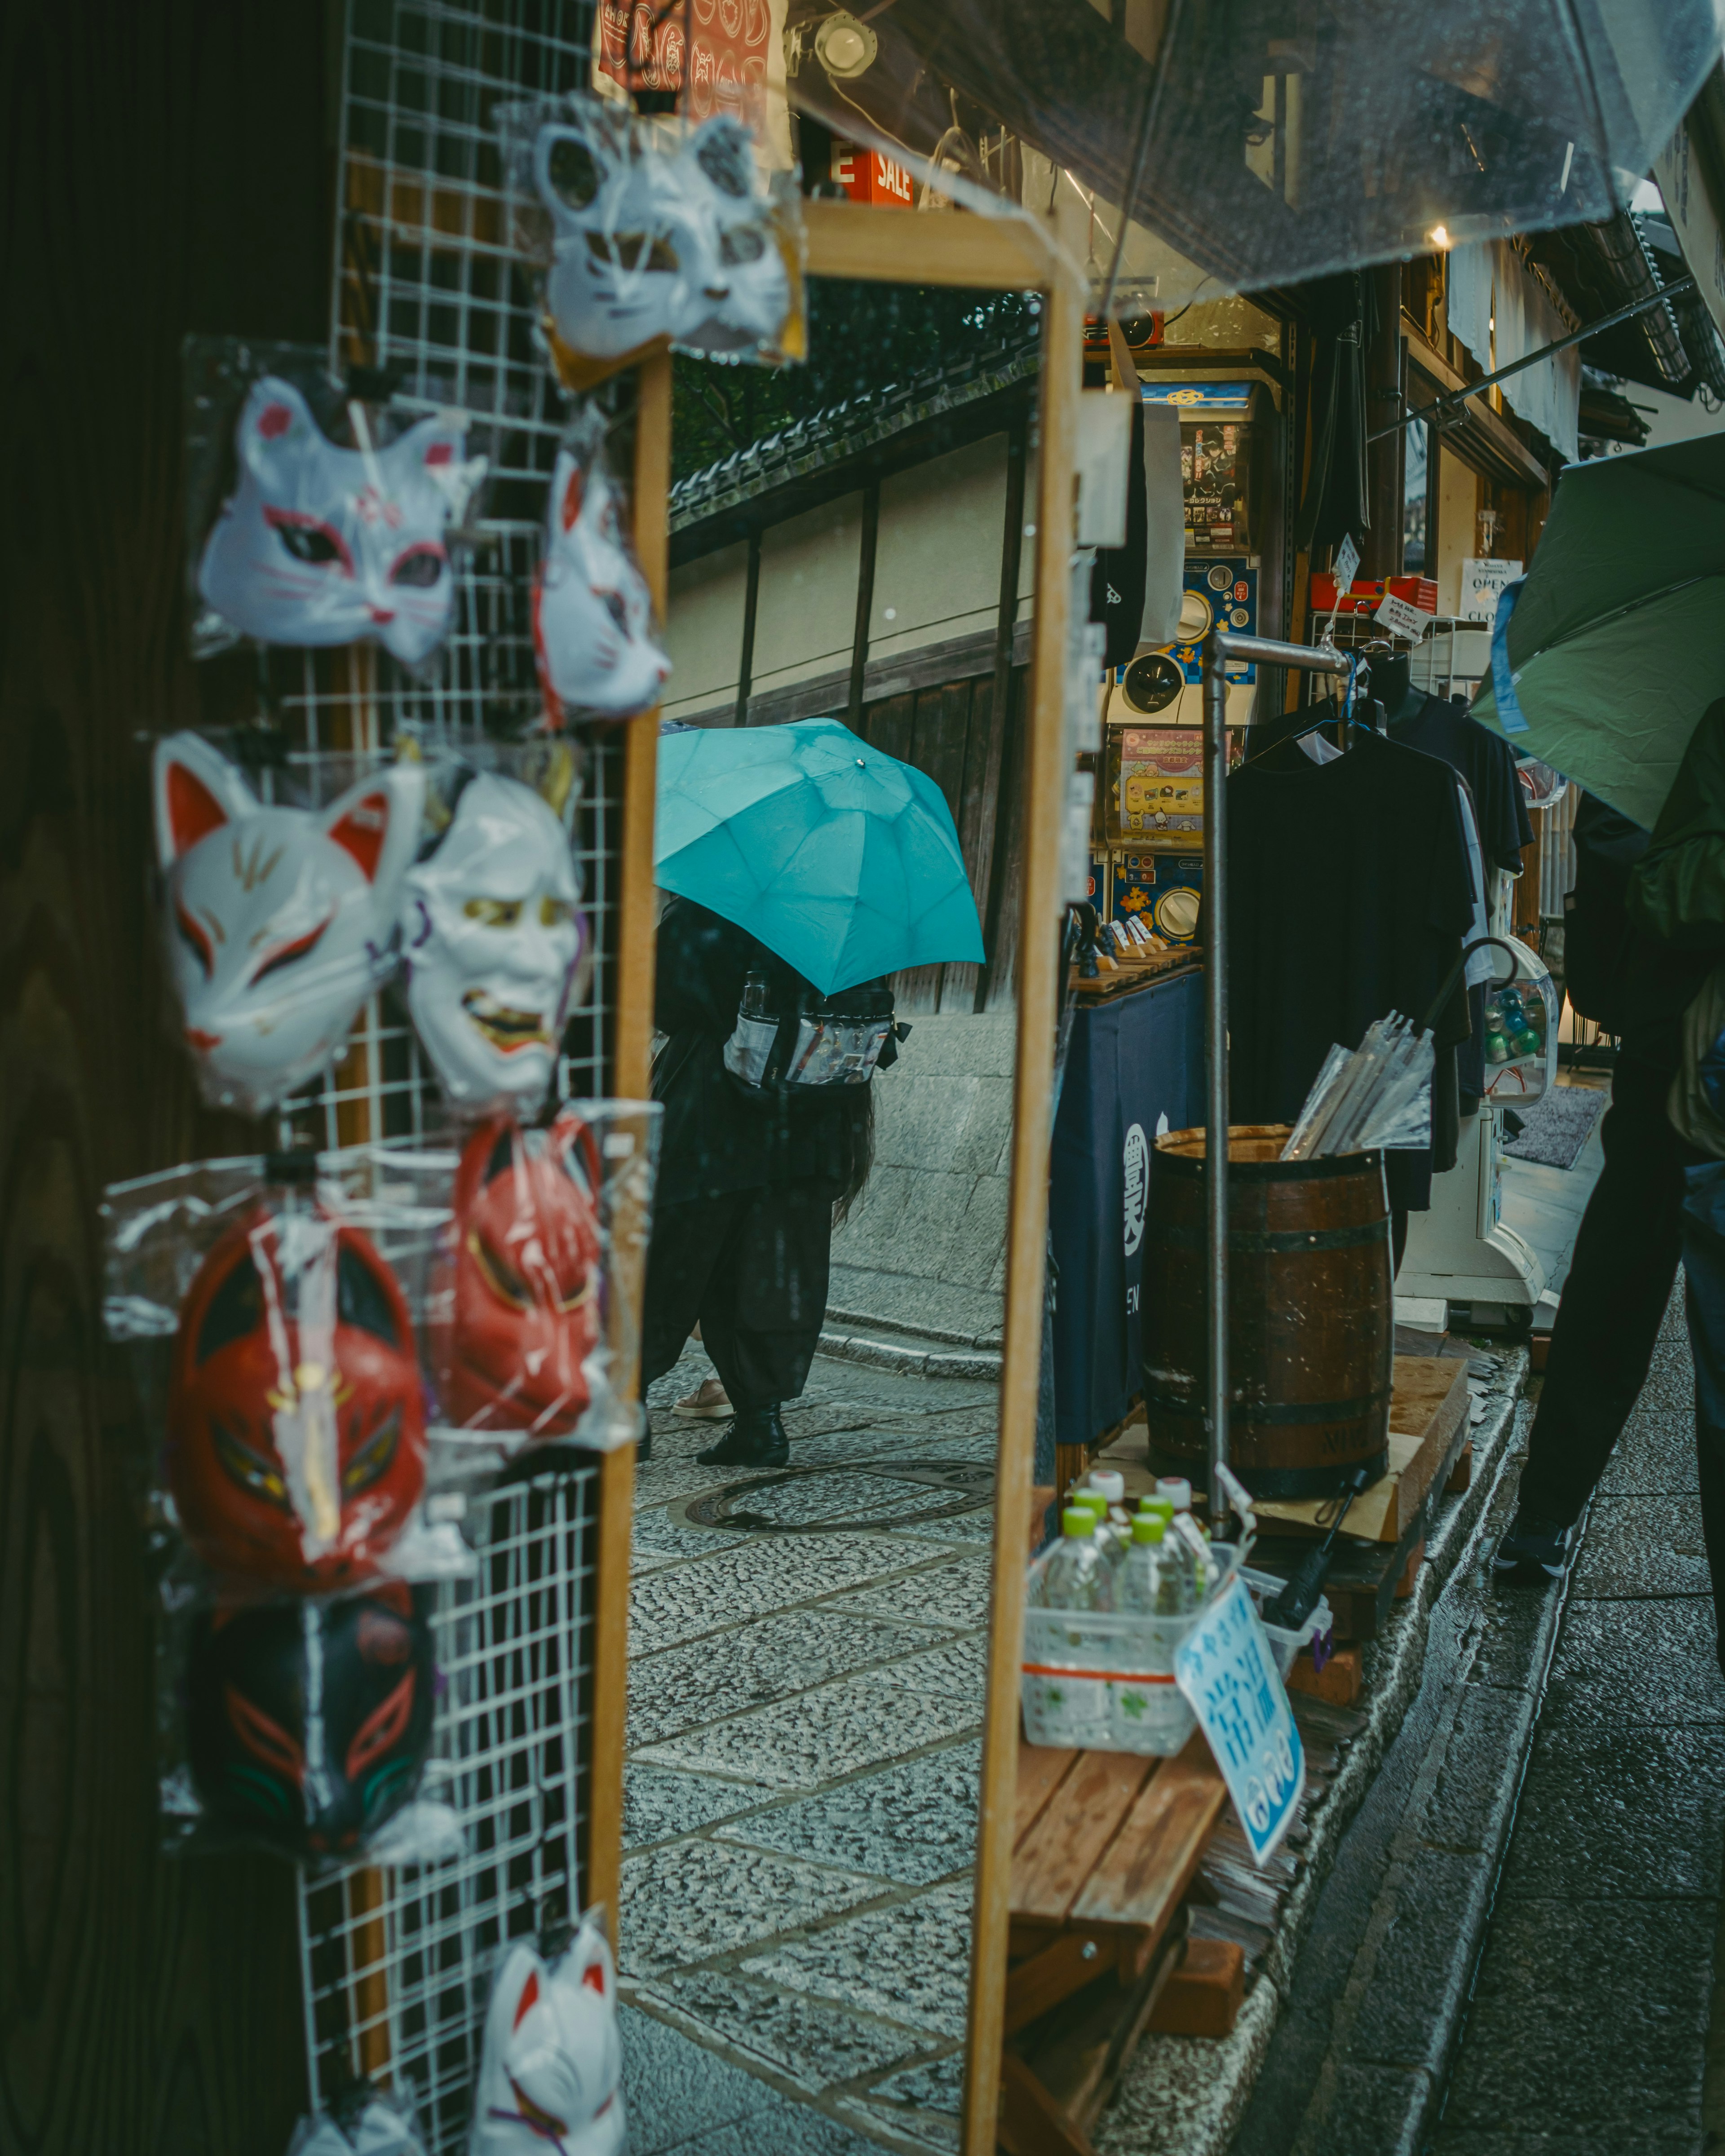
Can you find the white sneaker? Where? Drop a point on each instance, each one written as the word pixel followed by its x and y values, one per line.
pixel 707 1403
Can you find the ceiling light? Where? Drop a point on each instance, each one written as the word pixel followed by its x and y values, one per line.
pixel 844 47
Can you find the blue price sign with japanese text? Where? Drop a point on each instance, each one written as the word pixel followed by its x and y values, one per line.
pixel 1225 1668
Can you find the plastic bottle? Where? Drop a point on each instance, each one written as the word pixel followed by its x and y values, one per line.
pixel 758 998
pixel 1156 1581
pixel 1076 1573
pixel 1177 1489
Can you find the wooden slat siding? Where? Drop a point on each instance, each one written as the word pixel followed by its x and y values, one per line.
pixel 974 816
pixel 945 717
pixel 1149 1864
pixel 1051 1864
pixel 147 2008
pixel 1010 838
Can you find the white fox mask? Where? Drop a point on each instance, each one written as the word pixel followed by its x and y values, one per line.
pixel 321 544
pixel 492 934
pixel 280 921
pixel 592 614
pixel 651 243
pixel 550 2079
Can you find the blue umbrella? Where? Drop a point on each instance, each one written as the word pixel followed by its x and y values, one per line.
pixel 838 858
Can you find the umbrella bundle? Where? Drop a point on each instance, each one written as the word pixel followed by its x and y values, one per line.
pixel 1376 1097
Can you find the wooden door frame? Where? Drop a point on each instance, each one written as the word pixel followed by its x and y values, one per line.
pixel 1021 254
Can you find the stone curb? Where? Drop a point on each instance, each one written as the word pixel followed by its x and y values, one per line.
pixel 1185 2095
pixel 907 1362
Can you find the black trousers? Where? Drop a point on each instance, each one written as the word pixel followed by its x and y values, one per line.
pixel 751 1265
pixel 1614 1300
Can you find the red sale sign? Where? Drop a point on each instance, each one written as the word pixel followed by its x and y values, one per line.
pixel 869 176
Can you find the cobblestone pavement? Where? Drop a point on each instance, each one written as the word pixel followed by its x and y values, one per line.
pixel 806 1707
pixel 1588 2028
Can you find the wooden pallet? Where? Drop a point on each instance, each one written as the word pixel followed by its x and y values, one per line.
pixel 1105 1847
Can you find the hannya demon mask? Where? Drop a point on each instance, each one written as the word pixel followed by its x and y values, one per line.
pixel 296 1413
pixel 593 615
pixel 518 1305
pixel 550 2079
pixel 492 932
pixel 280 921
pixel 321 544
pixel 309 1722
pixel 651 244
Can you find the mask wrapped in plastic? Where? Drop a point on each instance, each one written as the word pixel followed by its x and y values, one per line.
pixel 551 2073
pixel 519 1314
pixel 594 636
pixel 363 2122
pixel 278 921
pixel 650 234
pixel 324 542
pixel 309 1723
pixel 492 938
pixel 295 1419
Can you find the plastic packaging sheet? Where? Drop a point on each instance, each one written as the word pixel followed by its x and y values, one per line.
pixel 1376 1098
pixel 649 232
pixel 319 512
pixel 1270 139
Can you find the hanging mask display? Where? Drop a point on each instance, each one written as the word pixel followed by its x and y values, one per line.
pixel 321 544
pixel 492 935
pixel 519 1310
pixel 308 1723
pixel 278 921
pixel 296 1413
pixel 551 2077
pixel 646 238
pixel 593 615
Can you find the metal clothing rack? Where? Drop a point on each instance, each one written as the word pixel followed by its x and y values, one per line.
pixel 1220 651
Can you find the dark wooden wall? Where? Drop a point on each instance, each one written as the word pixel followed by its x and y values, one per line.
pixel 167 169
pixel 949 732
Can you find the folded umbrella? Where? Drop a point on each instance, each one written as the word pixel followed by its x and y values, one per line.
pixel 1604 657
pixel 838 858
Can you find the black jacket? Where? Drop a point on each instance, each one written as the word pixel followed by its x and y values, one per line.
pixel 717 1136
pixel 1628 983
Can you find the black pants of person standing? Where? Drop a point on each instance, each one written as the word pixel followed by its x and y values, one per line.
pixel 752 1266
pixel 1613 1303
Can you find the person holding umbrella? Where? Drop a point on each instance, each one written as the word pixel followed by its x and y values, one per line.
pixel 803 869
pixel 1607 662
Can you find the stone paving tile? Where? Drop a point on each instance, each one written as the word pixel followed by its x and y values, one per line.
pixel 660 1803
pixel 753 1665
pixel 749 1577
pixel 977 1526
pixel 1641 1546
pixel 959 1668
pixel 908 1964
pixel 807 2038
pixel 784 2128
pixel 659 1534
pixel 1609 1814
pixel 675 2090
pixel 837 1729
pixel 1590 2020
pixel 955 1594
pixel 1629 1663
pixel 662 1482
pixel 915 1823
pixel 695 1899
pixel 935 2084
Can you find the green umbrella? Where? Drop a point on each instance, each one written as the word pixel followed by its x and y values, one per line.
pixel 835 856
pixel 1605 655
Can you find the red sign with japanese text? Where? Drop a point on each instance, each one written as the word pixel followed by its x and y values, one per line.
pixel 714 52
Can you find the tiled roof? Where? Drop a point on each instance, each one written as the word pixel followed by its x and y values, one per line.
pixel 828 436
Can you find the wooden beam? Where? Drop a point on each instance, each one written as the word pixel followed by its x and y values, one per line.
pixel 631 1058
pixel 1061 384
pixel 1013 253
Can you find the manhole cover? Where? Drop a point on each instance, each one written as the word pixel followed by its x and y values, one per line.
pixel 965 1487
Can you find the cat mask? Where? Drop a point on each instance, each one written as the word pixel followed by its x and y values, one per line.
pixel 649 244
pixel 551 2077
pixel 321 544
pixel 278 921
pixel 592 614
pixel 492 933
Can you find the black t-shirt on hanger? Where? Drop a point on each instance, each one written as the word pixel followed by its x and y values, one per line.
pixel 1348 895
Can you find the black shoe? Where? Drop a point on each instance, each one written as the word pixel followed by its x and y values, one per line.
pixel 754 1437
pixel 1533 1545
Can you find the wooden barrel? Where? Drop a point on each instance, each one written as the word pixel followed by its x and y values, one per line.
pixel 1311 1316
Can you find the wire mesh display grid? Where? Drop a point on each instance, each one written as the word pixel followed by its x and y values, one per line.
pixel 395 1963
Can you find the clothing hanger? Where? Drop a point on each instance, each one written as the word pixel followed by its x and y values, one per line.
pixel 1350 713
